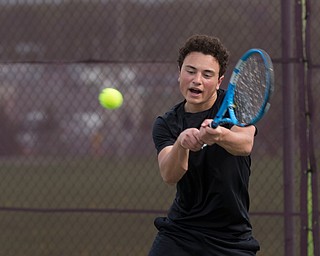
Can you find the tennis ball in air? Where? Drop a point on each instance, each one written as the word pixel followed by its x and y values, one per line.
pixel 110 98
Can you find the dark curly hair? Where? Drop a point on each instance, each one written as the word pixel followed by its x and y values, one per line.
pixel 207 45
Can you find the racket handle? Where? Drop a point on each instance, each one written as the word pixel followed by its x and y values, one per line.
pixel 213 125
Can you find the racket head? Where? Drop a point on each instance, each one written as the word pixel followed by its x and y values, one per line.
pixel 249 91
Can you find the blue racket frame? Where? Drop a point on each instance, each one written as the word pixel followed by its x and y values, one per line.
pixel 228 104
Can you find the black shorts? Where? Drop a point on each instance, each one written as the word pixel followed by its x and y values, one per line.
pixel 172 240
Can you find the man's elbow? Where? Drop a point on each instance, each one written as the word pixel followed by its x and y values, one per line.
pixel 248 149
pixel 172 176
pixel 242 151
pixel 168 179
pixel 246 153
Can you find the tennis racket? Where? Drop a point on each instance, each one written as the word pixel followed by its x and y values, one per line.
pixel 249 91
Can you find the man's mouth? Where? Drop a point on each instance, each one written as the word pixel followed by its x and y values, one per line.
pixel 195 91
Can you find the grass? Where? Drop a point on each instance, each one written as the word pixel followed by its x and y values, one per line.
pixel 80 207
pixel 106 206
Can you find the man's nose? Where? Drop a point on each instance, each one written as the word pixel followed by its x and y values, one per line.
pixel 197 78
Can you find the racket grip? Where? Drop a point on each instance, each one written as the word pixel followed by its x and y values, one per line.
pixel 213 125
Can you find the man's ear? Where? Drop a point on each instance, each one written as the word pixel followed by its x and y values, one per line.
pixel 179 75
pixel 219 81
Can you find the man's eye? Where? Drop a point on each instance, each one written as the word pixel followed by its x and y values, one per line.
pixel 207 75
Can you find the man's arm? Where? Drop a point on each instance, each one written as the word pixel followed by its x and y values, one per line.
pixel 173 160
pixel 237 141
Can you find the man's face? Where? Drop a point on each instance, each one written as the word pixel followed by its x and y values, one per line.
pixel 199 81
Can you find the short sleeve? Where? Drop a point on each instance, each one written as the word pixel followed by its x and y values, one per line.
pixel 161 134
pixel 167 128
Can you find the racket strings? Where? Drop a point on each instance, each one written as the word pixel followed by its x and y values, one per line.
pixel 251 86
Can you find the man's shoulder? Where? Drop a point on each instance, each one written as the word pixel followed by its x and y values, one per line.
pixel 175 110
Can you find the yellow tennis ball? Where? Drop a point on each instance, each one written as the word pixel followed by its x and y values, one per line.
pixel 110 98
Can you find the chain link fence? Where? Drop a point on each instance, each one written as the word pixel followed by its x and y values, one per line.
pixel 80 180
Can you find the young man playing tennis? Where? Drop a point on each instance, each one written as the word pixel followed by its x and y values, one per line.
pixel 209 215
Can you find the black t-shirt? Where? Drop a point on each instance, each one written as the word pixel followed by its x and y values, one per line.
pixel 212 197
